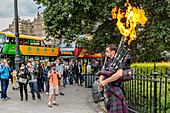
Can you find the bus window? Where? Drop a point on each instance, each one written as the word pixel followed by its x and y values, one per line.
pixel 43 44
pixel 35 42
pixel 12 40
pixel 7 40
pixel 2 38
pixel 24 41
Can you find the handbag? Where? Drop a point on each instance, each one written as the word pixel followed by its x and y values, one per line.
pixel 22 80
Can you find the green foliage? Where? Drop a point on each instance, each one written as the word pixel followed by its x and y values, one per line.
pixel 145 94
pixel 70 18
pixel 160 67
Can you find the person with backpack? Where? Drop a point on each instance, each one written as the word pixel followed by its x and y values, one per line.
pixel 54 77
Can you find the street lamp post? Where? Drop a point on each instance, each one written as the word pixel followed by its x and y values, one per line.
pixel 17 56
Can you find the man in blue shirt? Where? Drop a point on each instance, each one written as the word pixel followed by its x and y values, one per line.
pixel 4 70
pixel 59 67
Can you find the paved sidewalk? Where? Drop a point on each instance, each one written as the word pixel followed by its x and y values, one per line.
pixel 75 100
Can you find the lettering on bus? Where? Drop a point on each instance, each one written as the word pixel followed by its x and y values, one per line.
pixel 68 53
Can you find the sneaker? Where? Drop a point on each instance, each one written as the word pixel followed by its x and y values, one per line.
pixel 4 99
pixel 49 105
pixel 33 98
pixel 46 93
pixel 55 104
pixel 61 94
pixel 8 98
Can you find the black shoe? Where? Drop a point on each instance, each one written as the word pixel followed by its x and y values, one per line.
pixel 61 94
pixel 33 98
pixel 21 99
pixel 8 98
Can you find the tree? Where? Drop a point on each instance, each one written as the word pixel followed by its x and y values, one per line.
pixel 71 18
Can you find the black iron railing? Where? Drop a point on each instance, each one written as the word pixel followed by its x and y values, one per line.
pixel 147 92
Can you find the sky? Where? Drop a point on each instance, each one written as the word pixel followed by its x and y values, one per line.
pixel 27 9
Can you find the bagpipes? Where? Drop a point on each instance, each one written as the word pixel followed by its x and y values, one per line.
pixel 119 58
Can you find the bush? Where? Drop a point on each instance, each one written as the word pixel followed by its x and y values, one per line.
pixel 160 67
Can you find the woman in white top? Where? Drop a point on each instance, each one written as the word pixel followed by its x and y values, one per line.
pixel 89 67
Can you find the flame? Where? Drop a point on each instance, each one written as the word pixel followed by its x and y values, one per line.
pixel 133 17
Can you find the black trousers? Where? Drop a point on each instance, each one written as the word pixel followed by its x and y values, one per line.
pixel 23 86
pixel 79 77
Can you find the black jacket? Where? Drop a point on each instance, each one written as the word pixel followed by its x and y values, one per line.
pixel 77 70
pixel 38 71
pixel 25 70
pixel 65 73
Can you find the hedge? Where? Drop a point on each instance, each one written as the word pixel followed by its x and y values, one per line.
pixel 150 67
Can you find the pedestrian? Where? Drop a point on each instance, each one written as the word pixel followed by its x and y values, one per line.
pixel 114 93
pixel 89 67
pixel 43 65
pixel 38 71
pixel 33 82
pixel 59 67
pixel 65 75
pixel 45 72
pixel 75 71
pixel 78 73
pixel 22 79
pixel 83 67
pixel 5 71
pixel 10 73
pixel 54 76
pixel 71 72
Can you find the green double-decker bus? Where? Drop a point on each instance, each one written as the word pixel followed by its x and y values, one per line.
pixel 29 46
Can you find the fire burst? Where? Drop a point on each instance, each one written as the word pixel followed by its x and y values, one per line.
pixel 133 17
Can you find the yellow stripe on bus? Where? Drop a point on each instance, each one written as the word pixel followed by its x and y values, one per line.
pixel 22 36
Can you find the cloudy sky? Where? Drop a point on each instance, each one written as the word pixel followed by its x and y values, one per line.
pixel 27 9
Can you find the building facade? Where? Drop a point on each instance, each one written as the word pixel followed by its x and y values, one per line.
pixel 26 27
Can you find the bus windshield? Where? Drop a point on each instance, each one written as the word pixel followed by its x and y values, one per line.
pixel 2 38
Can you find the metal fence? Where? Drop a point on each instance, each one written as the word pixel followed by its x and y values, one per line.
pixel 148 92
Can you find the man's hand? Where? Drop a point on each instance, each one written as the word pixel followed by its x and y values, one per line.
pixel 102 83
pixel 100 88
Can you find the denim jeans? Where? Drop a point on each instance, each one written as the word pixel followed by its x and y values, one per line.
pixel 71 79
pixel 82 80
pixel 33 85
pixel 64 81
pixel 47 86
pixel 4 86
pixel 39 84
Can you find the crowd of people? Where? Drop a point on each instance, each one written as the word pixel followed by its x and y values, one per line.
pixel 39 73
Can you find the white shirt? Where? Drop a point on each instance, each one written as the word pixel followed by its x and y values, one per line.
pixel 88 68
